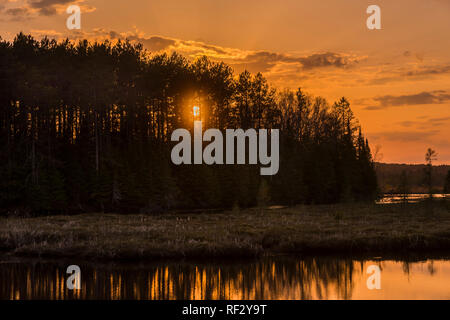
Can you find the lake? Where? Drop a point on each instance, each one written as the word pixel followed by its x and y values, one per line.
pixel 270 278
pixel 410 198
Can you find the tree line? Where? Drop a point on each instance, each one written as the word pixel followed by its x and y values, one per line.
pixel 412 178
pixel 87 126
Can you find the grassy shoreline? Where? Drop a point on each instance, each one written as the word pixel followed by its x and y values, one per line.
pixel 356 229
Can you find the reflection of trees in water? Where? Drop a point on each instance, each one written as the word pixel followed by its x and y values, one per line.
pixel 33 281
pixel 267 279
pixel 406 267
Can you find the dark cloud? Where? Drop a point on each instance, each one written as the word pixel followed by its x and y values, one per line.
pixel 439 120
pixel 405 136
pixel 38 7
pixel 43 4
pixel 18 12
pixel 208 47
pixel 263 61
pixel 260 61
pixel 429 71
pixel 416 74
pixel 48 11
pixel 155 43
pixel 434 97
pixel 160 43
pixel 428 124
pixel 328 59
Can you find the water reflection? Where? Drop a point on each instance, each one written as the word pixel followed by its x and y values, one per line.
pixel 410 198
pixel 281 278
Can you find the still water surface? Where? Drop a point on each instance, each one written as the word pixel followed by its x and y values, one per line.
pixel 410 198
pixel 271 278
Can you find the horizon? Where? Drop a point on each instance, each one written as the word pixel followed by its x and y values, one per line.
pixel 414 164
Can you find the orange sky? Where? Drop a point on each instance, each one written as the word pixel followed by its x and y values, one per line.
pixel 397 78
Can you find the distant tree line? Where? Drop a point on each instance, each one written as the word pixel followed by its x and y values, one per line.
pixel 87 126
pixel 404 178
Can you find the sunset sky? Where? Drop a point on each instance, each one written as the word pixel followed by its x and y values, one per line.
pixel 397 78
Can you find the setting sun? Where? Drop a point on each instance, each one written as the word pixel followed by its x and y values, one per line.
pixel 196 111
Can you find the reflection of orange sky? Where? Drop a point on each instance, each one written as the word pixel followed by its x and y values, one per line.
pixel 417 285
pixel 267 281
pixel 408 60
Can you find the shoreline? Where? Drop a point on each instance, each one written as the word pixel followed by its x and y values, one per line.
pixel 144 263
pixel 327 230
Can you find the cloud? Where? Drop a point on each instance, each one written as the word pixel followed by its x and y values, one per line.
pixel 27 9
pixel 429 124
pixel 48 3
pixel 429 70
pixel 440 120
pixel 263 61
pixel 18 12
pixel 432 97
pixel 328 59
pixel 405 136
pixel 410 72
pixel 154 43
pixel 253 61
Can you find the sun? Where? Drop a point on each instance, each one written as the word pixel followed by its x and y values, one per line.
pixel 196 111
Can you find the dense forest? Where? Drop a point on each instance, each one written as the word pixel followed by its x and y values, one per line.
pixel 87 127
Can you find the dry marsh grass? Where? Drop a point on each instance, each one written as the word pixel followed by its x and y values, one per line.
pixel 343 229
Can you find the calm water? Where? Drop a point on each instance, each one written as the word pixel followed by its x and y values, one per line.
pixel 274 278
pixel 410 198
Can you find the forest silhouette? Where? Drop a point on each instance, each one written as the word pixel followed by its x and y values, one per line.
pixel 86 127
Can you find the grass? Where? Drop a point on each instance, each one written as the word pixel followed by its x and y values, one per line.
pixel 334 229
